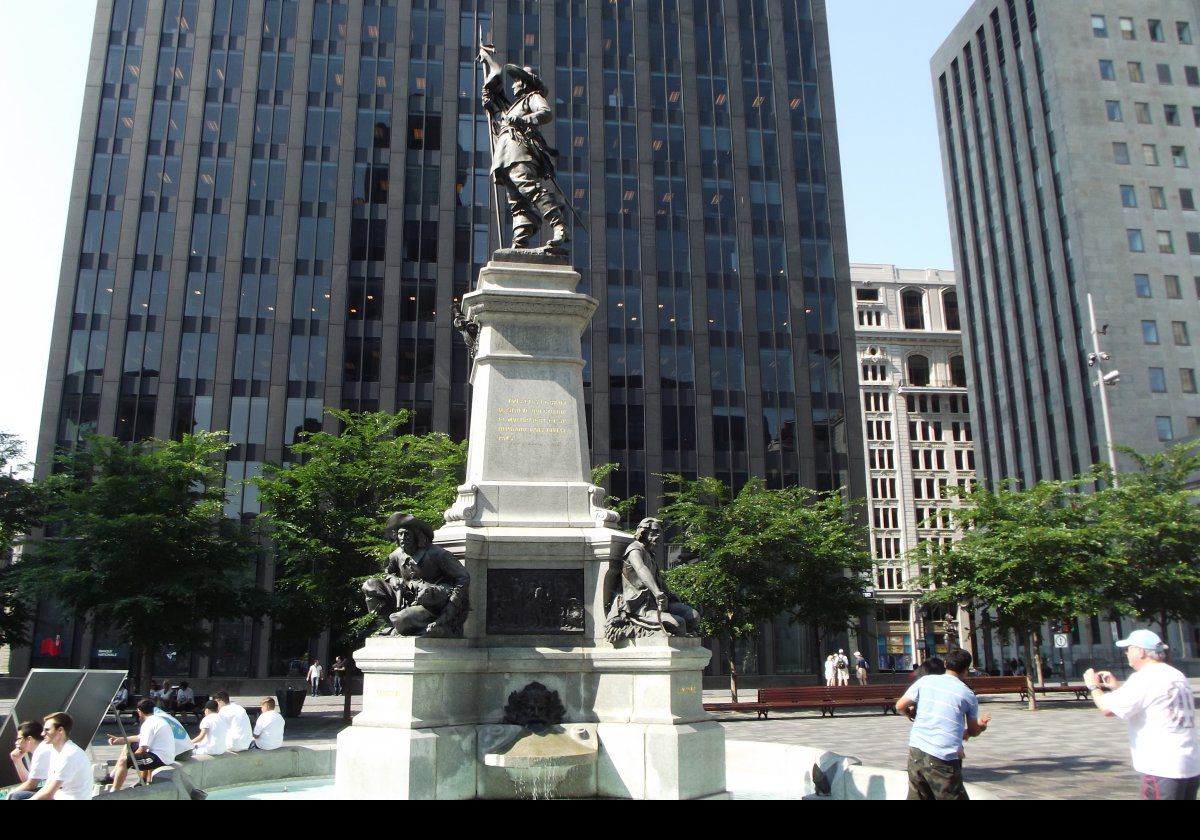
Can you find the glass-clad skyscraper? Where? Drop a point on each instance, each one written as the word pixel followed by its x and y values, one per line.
pixel 277 201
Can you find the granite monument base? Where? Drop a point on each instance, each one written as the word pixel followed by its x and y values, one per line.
pixel 431 708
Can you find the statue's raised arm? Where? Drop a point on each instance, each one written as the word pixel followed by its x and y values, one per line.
pixel 523 163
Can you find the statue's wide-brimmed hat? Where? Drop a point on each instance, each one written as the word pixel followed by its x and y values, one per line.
pixel 398 522
pixel 527 76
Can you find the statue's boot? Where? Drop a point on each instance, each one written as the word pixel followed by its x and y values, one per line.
pixel 523 234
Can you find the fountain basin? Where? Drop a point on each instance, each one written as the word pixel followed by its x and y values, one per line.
pixel 557 761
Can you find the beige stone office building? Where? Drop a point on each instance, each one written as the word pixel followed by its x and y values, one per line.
pixel 918 438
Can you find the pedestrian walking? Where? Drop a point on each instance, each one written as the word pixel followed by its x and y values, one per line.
pixel 830 669
pixel 315 671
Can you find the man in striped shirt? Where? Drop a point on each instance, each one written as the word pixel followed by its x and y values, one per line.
pixel 947 713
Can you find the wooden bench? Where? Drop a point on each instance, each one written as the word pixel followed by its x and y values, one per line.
pixel 998 685
pixel 825 699
pixel 1080 691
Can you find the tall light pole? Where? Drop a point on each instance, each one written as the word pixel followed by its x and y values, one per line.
pixel 1104 380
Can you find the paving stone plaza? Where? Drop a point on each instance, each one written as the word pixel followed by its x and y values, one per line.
pixel 1064 750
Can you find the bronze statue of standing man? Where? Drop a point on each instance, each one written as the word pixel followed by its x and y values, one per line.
pixel 522 160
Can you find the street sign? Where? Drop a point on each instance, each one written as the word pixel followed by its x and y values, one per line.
pixel 1060 640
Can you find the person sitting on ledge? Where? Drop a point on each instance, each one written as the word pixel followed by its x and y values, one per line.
pixel 268 729
pixel 240 732
pixel 214 732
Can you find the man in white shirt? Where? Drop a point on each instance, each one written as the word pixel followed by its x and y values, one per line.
pixel 214 732
pixel 842 668
pixel 70 774
pixel 1156 703
pixel 156 745
pixel 268 730
pixel 185 698
pixel 240 732
pixel 31 759
pixel 315 672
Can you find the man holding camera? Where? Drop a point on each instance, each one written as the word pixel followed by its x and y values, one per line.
pixel 1156 703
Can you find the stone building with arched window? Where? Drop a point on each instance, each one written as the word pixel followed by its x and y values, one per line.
pixel 918 439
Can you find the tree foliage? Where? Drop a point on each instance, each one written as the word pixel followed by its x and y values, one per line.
pixel 1155 546
pixel 1033 555
pixel 136 539
pixel 624 508
pixel 764 553
pixel 18 515
pixel 326 512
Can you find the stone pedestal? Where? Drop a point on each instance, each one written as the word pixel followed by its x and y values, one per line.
pixel 533 533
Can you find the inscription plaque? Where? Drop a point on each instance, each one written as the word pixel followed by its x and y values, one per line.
pixel 534 601
pixel 533 420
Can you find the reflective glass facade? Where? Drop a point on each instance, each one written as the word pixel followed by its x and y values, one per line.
pixel 278 201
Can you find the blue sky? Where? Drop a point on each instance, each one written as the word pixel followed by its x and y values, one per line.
pixel 895 203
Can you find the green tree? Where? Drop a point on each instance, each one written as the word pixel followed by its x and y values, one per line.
pixel 764 553
pixel 624 508
pixel 1154 523
pixel 18 515
pixel 326 512
pixel 136 539
pixel 1033 555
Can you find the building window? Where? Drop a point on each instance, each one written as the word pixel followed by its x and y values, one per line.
pixel 1150 332
pixel 1128 196
pixel 1164 74
pixel 1136 245
pixel 1180 330
pixel 1165 430
pixel 1196 115
pixel 866 294
pixel 1187 380
pixel 1099 26
pixel 1150 154
pixel 1171 282
pixel 1166 243
pixel 950 309
pixel 958 372
pixel 1158 380
pixel 1141 112
pixel 912 302
pixel 1187 200
pixel 1183 31
pixel 1179 157
pixel 1191 75
pixel 1126 27
pixel 1156 31
pixel 1121 150
pixel 1193 243
pixel 1141 285
pixel 1108 73
pixel 1113 108
pixel 1158 198
pixel 1171 114
pixel 1135 71
pixel 1193 425
pixel 1196 282
pixel 918 370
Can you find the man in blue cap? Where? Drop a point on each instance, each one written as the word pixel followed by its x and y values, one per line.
pixel 1156 703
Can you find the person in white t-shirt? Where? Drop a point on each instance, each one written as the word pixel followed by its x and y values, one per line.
pixel 214 732
pixel 31 759
pixel 268 729
pixel 315 672
pixel 156 746
pixel 70 775
pixel 240 732
pixel 183 741
pixel 1156 703
pixel 185 698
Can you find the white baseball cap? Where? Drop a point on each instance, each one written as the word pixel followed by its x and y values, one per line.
pixel 1144 639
